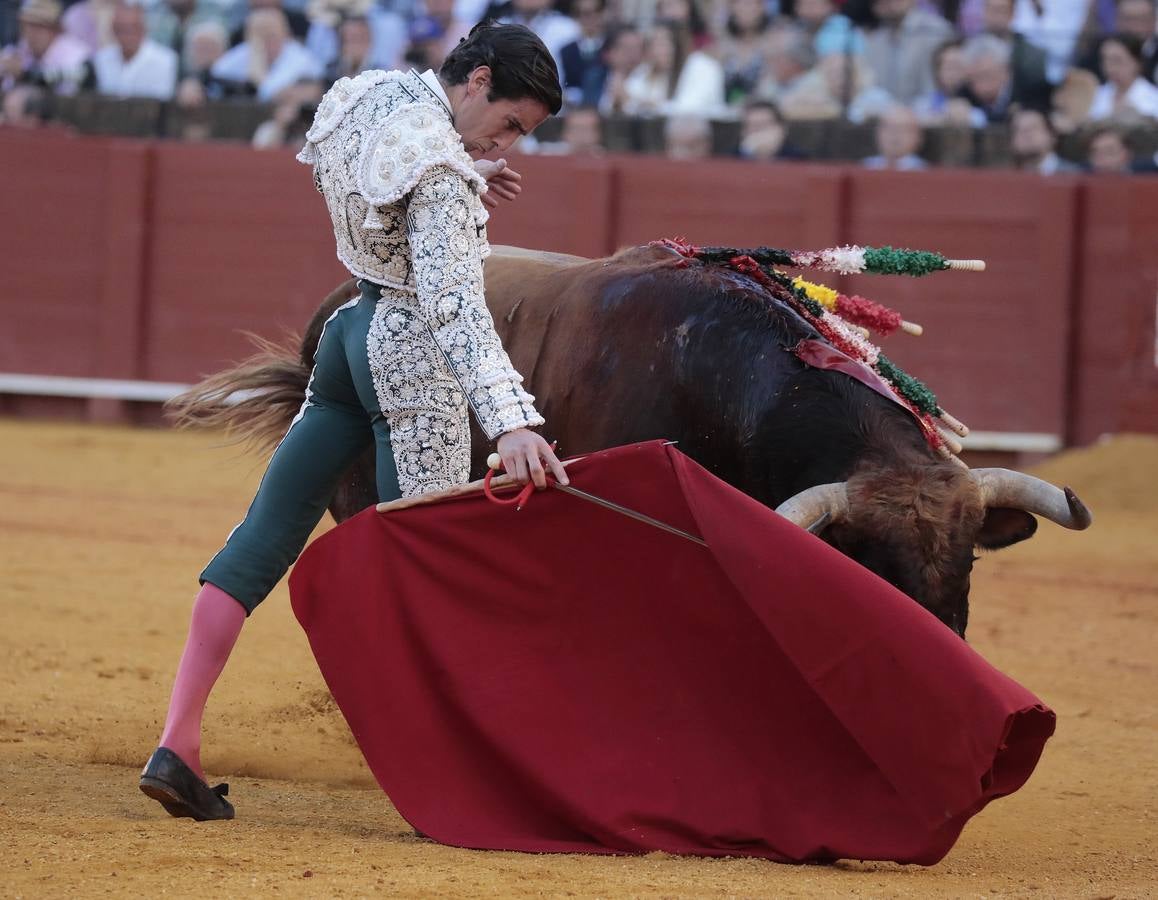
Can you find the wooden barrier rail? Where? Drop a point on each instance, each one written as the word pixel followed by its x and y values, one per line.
pixel 139 261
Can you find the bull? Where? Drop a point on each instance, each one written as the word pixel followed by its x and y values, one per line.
pixel 645 345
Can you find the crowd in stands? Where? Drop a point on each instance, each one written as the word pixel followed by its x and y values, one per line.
pixel 1041 68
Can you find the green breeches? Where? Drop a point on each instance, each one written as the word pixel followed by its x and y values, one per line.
pixel 339 419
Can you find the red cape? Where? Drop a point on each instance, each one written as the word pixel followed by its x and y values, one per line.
pixel 564 678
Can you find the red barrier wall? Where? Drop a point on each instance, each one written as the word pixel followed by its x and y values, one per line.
pixel 236 245
pixel 730 203
pixel 1116 349
pixel 138 260
pixel 997 341
pixel 72 215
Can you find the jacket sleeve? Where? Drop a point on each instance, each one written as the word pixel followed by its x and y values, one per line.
pixel 448 270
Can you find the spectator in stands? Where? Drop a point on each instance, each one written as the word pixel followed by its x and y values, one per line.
pixel 1136 17
pixel 688 15
pixel 1030 86
pixel 1108 152
pixel 1033 143
pixel 621 55
pixel 389 32
pixel 763 133
pixel 554 29
pixel 205 43
pixel 946 104
pixel 790 57
pixel 299 23
pixel 899 50
pixel 427 45
pixel 134 65
pixel 672 81
pixel 1072 100
pixel 25 106
pixel 1140 18
pixel 90 22
pixel 899 137
pixel 354 45
pixel 1054 26
pixel 44 55
pixel 171 21
pixel 687 137
pixel 268 61
pixel 582 132
pixel 292 116
pixel 1126 94
pixel 454 26
pixel 743 49
pixel 990 84
pixel 840 87
pixel 831 32
pixel 581 60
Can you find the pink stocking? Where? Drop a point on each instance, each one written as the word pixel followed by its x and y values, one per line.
pixel 216 623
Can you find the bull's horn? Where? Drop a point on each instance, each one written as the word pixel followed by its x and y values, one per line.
pixel 1016 490
pixel 815 508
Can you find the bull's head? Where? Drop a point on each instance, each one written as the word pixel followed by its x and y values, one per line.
pixel 918 528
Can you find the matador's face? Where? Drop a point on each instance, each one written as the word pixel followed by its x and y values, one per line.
pixel 492 126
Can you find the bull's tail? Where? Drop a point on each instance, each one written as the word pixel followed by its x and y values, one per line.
pixel 254 402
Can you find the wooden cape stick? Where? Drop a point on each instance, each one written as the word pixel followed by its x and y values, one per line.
pixel 499 482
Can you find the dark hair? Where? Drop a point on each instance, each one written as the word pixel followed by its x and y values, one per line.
pixel 753 105
pixel 680 49
pixel 521 66
pixel 1016 110
pixel 944 48
pixel 614 33
pixel 1131 43
pixel 1103 130
pixel 733 28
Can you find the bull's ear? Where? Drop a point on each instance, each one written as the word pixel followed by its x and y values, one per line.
pixel 1003 527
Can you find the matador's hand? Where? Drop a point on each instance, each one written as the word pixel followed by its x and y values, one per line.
pixel 502 181
pixel 524 453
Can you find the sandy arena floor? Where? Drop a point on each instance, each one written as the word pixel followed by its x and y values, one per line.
pixel 102 532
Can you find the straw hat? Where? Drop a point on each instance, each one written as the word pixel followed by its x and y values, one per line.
pixel 40 12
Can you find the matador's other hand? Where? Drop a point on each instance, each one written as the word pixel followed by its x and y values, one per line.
pixel 524 452
pixel 503 182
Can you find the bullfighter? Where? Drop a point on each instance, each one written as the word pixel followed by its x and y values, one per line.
pixel 398 158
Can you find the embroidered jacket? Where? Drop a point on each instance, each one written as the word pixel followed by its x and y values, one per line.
pixel 404 200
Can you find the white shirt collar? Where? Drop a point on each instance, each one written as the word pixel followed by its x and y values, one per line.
pixel 431 81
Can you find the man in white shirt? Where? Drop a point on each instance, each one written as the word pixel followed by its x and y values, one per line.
pixel 134 66
pixel 1054 26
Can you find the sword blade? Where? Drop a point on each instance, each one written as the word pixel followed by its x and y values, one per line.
pixel 630 513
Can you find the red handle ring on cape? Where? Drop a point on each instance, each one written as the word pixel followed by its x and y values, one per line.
pixel 520 498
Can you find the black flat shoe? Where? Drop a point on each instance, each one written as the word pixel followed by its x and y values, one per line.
pixel 173 784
